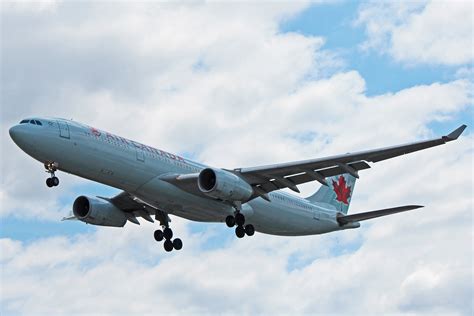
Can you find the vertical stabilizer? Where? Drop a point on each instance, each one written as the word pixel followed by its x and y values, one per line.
pixel 337 193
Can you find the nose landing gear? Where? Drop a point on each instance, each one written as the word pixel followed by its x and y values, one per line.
pixel 51 168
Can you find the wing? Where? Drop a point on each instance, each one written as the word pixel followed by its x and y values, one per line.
pixel 268 178
pixel 345 219
pixel 134 207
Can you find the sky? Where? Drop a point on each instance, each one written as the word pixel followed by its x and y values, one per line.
pixel 236 85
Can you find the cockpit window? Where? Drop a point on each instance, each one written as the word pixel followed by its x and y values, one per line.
pixel 34 122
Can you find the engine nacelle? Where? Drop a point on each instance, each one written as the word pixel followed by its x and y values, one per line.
pixel 98 212
pixel 223 185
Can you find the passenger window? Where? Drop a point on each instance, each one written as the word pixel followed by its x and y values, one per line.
pixel 38 122
pixel 24 121
pixel 32 122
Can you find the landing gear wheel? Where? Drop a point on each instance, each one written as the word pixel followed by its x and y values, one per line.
pixel 49 182
pixel 249 230
pixel 239 231
pixel 177 244
pixel 168 245
pixel 158 235
pixel 230 221
pixel 168 233
pixel 51 167
pixel 240 219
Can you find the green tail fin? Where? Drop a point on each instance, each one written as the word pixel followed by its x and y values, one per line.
pixel 337 193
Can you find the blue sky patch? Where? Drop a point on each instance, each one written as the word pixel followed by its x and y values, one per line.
pixel 335 22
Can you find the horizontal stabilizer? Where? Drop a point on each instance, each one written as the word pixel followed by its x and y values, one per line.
pixel 345 219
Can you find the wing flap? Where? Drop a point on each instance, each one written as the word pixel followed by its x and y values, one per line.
pixel 307 176
pixel 124 201
pixel 134 206
pixel 345 219
pixel 328 172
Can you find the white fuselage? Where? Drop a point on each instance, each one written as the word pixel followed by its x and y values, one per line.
pixel 136 168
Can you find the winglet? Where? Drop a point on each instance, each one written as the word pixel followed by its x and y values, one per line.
pixel 456 133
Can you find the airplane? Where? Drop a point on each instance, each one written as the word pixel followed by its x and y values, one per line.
pixel 156 183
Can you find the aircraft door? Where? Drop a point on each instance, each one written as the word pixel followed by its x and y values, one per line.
pixel 63 130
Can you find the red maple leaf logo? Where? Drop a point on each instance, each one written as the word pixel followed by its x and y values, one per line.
pixel 343 192
pixel 95 131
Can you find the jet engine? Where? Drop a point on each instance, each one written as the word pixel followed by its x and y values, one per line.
pixel 223 185
pixel 98 212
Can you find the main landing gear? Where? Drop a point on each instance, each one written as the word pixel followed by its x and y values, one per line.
pixel 51 168
pixel 167 235
pixel 239 220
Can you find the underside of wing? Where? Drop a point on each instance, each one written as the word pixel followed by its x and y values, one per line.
pixel 265 179
pixel 134 207
pixel 186 182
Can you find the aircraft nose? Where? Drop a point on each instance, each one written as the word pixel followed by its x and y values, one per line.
pixel 14 133
pixel 22 137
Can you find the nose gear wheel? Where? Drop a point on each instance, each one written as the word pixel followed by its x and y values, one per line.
pixel 51 168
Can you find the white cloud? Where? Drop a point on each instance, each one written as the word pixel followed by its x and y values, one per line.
pixel 412 263
pixel 434 32
pixel 465 72
pixel 32 7
pixel 221 82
